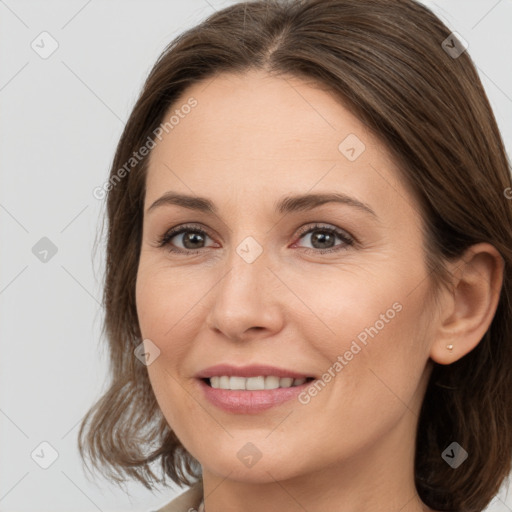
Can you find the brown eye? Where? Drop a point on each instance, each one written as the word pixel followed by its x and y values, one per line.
pixel 323 239
pixel 191 238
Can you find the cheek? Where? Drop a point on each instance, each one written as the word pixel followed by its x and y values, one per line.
pixel 378 340
pixel 159 310
pixel 168 302
pixel 385 361
pixel 372 376
pixel 340 307
pixel 166 299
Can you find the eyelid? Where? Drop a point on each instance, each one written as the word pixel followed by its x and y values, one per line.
pixel 312 226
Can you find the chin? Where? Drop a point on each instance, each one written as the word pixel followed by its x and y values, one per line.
pixel 237 465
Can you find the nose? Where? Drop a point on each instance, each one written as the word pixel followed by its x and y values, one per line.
pixel 245 302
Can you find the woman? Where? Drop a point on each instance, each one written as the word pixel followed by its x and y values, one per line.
pixel 308 287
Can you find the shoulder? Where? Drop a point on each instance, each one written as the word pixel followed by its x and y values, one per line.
pixel 190 499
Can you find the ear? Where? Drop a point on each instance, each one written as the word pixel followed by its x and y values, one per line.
pixel 468 308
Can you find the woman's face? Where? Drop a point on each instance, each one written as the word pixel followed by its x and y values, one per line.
pixel 258 287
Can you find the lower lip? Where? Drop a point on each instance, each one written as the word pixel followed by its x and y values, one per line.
pixel 250 402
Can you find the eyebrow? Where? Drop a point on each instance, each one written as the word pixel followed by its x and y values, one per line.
pixel 287 204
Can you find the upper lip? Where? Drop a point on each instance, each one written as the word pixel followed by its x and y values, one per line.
pixel 248 371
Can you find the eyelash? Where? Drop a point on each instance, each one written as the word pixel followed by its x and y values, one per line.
pixel 169 235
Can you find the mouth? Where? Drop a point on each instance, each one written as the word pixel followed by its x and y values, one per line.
pixel 250 389
pixel 259 383
pixel 251 395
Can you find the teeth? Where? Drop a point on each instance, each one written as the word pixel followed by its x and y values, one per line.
pixel 254 383
pixel 237 383
pixel 271 382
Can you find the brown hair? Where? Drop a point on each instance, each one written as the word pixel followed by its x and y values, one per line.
pixel 383 59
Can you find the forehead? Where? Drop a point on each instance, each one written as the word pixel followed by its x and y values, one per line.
pixel 241 115
pixel 267 135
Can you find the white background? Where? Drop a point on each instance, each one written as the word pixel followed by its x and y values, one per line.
pixel 60 121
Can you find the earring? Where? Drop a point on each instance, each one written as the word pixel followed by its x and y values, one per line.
pixel 449 347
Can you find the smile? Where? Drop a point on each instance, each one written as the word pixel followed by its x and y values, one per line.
pixel 250 389
pixel 254 383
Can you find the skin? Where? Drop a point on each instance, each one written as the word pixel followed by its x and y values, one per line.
pixel 251 140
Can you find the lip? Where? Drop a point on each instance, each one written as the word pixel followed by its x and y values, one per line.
pixel 249 402
pixel 255 370
pixel 254 401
